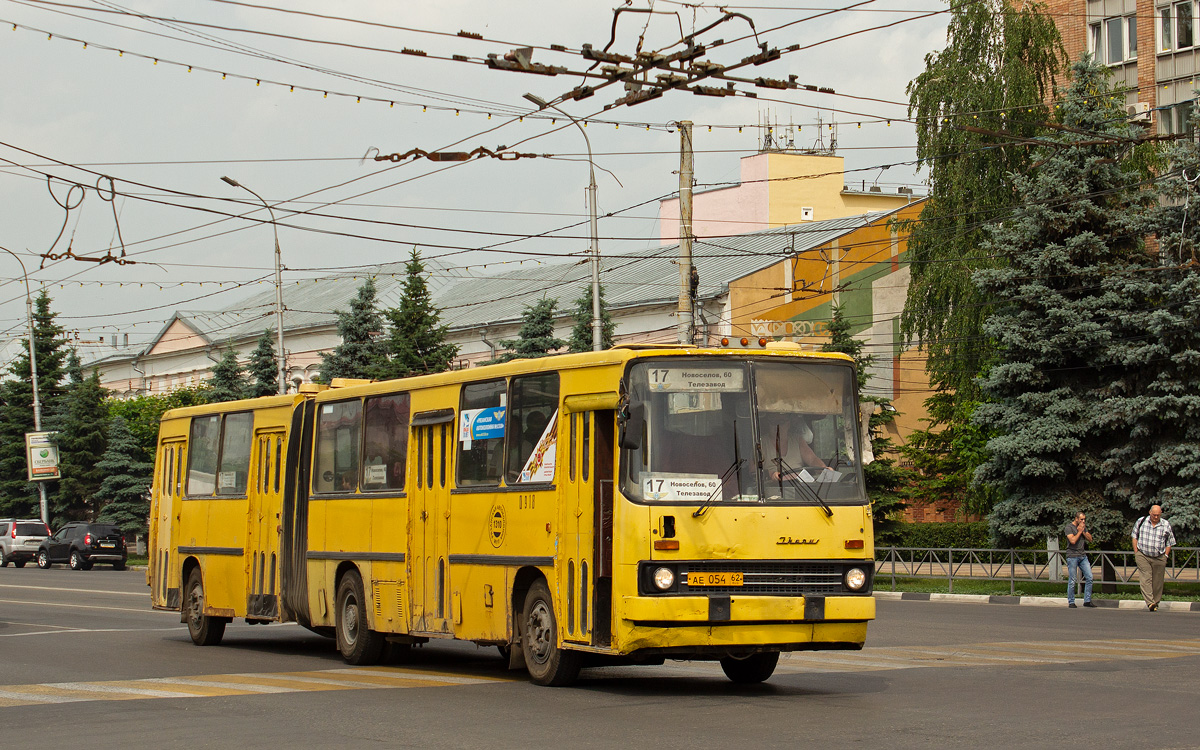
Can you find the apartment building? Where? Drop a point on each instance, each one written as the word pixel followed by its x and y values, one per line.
pixel 1151 46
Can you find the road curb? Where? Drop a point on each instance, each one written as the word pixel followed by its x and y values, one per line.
pixel 1030 601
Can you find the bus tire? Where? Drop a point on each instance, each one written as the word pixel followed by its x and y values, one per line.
pixel 546 662
pixel 205 630
pixel 752 669
pixel 357 643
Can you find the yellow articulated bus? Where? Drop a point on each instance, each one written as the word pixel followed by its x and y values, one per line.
pixel 624 506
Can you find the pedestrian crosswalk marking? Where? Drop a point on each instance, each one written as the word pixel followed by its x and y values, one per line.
pixel 1017 653
pixel 217 685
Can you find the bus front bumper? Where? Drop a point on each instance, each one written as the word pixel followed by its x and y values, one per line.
pixel 683 624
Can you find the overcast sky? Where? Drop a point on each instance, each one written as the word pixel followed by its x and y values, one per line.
pixel 165 136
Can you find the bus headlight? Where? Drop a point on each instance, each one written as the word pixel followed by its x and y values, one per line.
pixel 856 578
pixel 664 578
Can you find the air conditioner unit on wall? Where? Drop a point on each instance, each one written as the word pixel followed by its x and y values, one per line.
pixel 1138 112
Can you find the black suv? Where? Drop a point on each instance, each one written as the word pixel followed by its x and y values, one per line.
pixel 81 545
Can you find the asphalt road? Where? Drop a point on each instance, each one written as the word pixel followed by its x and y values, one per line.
pixel 85 662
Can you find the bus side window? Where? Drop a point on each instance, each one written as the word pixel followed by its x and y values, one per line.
pixel 339 429
pixel 532 428
pixel 481 433
pixel 278 461
pixel 169 471
pixel 236 445
pixel 585 458
pixel 385 427
pixel 573 443
pixel 443 473
pixel 204 442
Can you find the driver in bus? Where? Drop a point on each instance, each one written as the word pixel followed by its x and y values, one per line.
pixel 793 436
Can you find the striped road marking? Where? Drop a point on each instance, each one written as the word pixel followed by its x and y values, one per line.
pixel 212 685
pixel 1019 653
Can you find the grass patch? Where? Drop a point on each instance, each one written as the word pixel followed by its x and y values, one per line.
pixel 1171 591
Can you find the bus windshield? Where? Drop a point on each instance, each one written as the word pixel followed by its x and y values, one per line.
pixel 726 431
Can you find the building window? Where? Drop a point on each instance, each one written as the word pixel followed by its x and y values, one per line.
pixel 1115 40
pixel 1164 29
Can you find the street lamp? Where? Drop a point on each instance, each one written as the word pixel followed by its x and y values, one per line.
pixel 278 282
pixel 597 334
pixel 44 505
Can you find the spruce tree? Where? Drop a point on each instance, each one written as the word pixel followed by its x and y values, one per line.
pixel 1055 321
pixel 416 342
pixel 361 354
pixel 885 480
pixel 581 332
pixel 536 336
pixel 81 442
pixel 263 369
pixel 19 497
pixel 229 381
pixel 1156 404
pixel 125 491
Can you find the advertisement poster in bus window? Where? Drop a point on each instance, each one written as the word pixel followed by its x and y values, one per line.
pixel 480 424
pixel 540 466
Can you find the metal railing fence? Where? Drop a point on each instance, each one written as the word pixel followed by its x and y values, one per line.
pixel 1013 565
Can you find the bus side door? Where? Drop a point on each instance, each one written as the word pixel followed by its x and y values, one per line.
pixel 262 533
pixel 586 522
pixel 163 564
pixel 432 446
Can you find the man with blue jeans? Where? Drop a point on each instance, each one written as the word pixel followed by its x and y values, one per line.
pixel 1077 562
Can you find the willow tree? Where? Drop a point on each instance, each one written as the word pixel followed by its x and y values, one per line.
pixel 973 106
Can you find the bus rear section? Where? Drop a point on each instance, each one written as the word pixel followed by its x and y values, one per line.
pixel 216 509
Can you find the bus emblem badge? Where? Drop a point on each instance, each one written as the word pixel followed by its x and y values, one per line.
pixel 496 524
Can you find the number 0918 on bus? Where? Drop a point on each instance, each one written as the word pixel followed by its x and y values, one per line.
pixel 615 507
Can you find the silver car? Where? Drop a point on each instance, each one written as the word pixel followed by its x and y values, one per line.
pixel 19 540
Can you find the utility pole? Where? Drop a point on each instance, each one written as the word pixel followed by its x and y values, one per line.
pixel 282 376
pixel 594 251
pixel 685 327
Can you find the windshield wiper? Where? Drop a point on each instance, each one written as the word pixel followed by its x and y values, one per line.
pixel 794 480
pixel 734 468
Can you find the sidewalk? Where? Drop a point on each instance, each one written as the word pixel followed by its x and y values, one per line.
pixel 1032 601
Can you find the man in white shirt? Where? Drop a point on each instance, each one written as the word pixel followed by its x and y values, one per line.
pixel 1152 542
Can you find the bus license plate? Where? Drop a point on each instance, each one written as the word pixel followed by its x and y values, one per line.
pixel 714 579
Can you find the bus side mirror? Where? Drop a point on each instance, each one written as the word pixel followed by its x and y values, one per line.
pixel 631 429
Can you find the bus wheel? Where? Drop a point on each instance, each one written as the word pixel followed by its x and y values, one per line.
pixel 752 669
pixel 204 629
pixel 547 663
pixel 357 642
